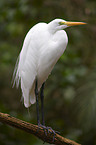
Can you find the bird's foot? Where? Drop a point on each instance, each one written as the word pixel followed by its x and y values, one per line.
pixel 48 130
pixel 44 128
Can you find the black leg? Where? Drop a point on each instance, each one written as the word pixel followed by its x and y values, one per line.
pixel 42 103
pixel 37 102
pixel 46 129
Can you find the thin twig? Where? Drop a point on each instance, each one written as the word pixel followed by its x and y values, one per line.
pixel 33 129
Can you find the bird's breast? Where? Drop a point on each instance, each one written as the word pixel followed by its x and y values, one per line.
pixel 61 38
pixel 50 52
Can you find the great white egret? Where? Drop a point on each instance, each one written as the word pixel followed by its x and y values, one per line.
pixel 42 47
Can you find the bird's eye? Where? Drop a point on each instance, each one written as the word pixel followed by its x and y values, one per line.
pixel 61 23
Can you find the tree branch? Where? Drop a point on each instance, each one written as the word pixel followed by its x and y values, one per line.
pixel 33 129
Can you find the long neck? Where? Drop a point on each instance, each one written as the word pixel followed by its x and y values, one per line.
pixel 51 28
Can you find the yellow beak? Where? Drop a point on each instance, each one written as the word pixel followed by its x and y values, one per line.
pixel 72 23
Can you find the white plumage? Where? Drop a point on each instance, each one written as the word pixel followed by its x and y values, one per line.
pixel 42 47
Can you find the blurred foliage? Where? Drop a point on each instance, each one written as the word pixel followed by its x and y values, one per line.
pixel 70 90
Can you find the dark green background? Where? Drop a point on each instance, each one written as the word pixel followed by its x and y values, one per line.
pixel 70 91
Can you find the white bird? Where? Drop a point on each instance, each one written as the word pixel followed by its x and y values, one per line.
pixel 42 47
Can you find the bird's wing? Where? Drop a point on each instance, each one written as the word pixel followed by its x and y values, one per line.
pixel 25 70
pixel 27 64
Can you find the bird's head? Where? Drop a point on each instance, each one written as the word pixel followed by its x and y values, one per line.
pixel 59 24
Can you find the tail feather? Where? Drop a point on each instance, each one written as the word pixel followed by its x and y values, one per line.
pixel 25 93
pixel 16 78
pixel 32 99
pixel 29 96
pixel 32 94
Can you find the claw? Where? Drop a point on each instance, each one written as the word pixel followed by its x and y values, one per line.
pixel 44 128
pixel 57 132
pixel 52 132
pixel 48 130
